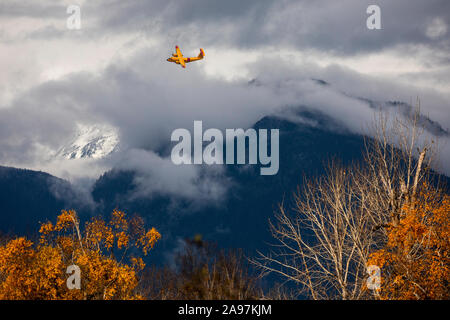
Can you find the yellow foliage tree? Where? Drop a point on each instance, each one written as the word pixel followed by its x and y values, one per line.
pixel 415 262
pixel 38 270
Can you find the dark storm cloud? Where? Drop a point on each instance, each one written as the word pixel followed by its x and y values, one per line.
pixel 31 8
pixel 178 13
pixel 337 26
pixel 331 26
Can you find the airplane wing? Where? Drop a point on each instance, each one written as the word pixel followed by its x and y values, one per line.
pixel 178 52
pixel 182 62
pixel 192 59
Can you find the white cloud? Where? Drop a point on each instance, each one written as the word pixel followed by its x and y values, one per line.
pixel 436 28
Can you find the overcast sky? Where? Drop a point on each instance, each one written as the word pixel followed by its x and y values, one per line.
pixel 113 71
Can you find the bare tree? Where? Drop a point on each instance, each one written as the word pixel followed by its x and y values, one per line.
pixel 323 246
pixel 396 163
pixel 337 220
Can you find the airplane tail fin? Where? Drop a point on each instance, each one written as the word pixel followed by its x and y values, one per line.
pixel 202 53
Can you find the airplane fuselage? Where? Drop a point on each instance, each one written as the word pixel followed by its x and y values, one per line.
pixel 178 57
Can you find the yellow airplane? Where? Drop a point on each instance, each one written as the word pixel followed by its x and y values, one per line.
pixel 178 58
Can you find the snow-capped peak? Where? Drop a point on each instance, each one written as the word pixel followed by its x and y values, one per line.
pixel 91 142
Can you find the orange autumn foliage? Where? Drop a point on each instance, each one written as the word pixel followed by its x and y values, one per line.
pixel 415 262
pixel 38 270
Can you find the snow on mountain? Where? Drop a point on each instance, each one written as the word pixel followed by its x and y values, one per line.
pixel 91 142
